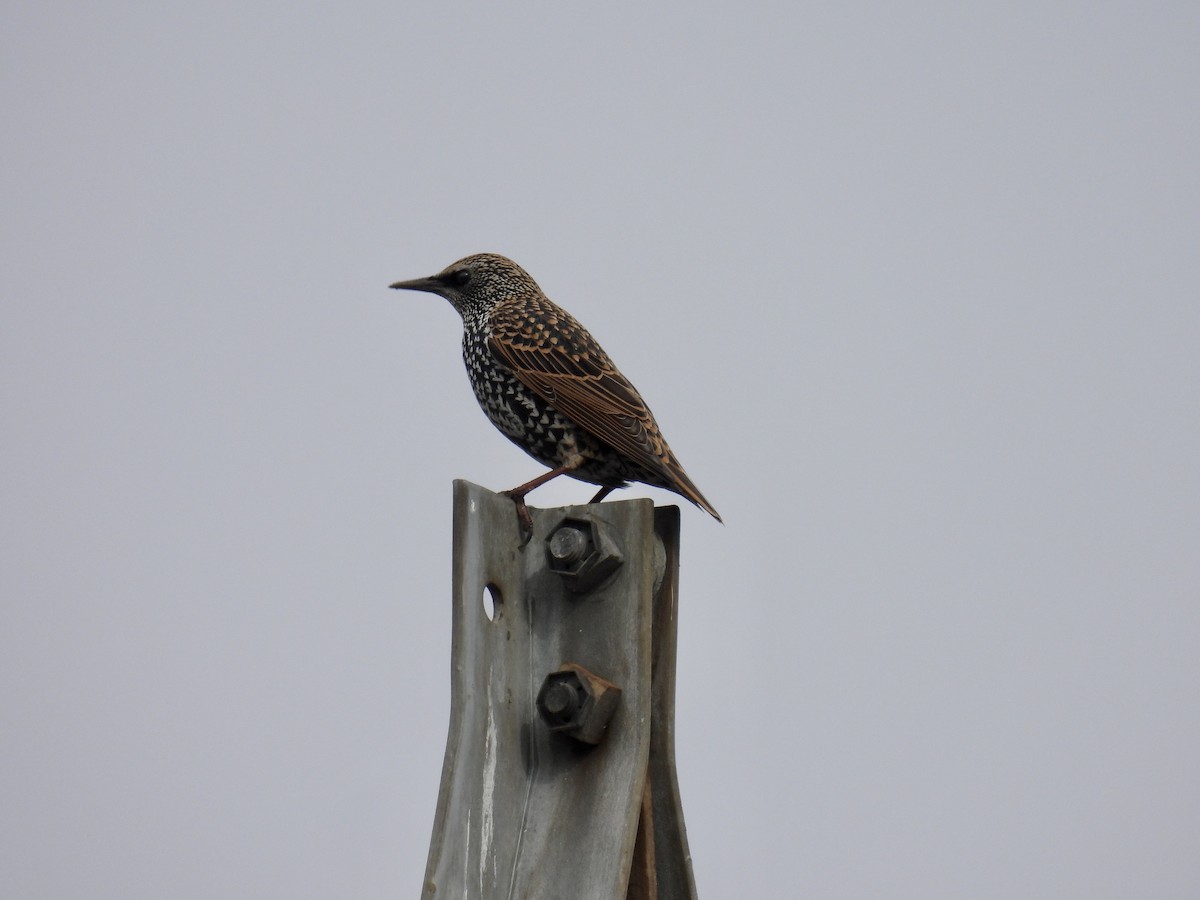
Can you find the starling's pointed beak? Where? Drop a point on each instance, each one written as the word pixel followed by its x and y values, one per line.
pixel 431 285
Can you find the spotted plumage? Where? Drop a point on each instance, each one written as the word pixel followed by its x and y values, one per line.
pixel 546 383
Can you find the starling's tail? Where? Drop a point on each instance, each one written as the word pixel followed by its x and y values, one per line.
pixel 684 487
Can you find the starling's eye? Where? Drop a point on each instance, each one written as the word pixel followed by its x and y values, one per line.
pixel 462 277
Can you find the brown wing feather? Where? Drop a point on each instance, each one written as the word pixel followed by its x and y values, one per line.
pixel 551 353
pixel 555 356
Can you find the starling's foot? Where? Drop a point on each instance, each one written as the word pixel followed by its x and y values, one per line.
pixel 518 497
pixel 523 515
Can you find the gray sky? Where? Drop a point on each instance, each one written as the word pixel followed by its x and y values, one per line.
pixel 914 291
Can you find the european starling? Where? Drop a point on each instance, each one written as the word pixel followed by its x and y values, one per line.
pixel 547 384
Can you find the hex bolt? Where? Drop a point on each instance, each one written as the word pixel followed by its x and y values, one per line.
pixel 584 552
pixel 578 703
pixel 560 701
pixel 568 545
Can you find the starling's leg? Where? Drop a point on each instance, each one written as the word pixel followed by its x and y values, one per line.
pixel 602 493
pixel 518 496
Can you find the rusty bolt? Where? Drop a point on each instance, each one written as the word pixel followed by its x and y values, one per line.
pixel 577 703
pixel 583 553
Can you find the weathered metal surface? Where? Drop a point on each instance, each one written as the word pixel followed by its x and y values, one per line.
pixel 525 813
pixel 662 848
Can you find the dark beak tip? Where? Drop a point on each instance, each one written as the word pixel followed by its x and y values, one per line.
pixel 416 284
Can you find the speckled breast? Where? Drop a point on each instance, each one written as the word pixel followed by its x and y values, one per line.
pixel 533 424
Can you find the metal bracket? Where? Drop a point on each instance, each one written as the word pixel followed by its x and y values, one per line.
pixel 559 782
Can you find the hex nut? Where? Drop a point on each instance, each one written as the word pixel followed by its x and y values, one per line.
pixel 578 703
pixel 583 552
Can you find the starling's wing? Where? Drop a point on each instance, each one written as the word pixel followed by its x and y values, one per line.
pixel 555 356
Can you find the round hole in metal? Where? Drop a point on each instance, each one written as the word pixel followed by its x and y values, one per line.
pixel 492 601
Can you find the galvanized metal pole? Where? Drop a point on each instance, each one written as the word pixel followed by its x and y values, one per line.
pixel 559 775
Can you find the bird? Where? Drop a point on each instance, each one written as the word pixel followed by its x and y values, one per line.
pixel 547 384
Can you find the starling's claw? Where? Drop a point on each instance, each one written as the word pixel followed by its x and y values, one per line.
pixel 517 495
pixel 523 515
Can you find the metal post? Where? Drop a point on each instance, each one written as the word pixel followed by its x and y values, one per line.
pixel 559 775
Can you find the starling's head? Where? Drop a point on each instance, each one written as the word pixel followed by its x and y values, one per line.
pixel 475 282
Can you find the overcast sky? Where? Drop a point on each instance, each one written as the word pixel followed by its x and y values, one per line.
pixel 913 289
